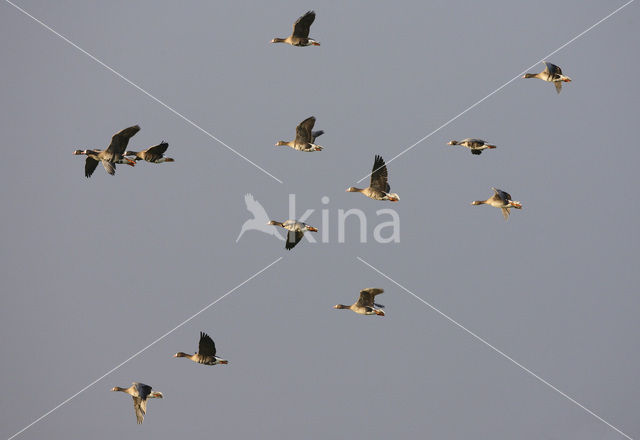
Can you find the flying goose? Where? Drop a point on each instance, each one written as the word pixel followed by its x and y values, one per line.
pixel 379 187
pixel 153 154
pixel 112 155
pixel 300 35
pixel 206 352
pixel 365 304
pixel 305 137
pixel 475 145
pixel 500 200
pixel 296 231
pixel 140 393
pixel 551 73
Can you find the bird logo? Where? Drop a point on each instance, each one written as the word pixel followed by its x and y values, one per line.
pixel 259 220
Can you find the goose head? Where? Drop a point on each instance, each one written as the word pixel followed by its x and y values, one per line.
pixel 181 355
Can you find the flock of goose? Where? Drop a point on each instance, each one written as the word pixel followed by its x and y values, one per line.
pixel 378 189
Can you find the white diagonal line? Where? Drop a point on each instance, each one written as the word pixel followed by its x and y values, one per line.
pixel 501 353
pixel 143 349
pixel 172 110
pixel 502 86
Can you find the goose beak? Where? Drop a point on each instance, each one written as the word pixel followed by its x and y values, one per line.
pixel 379 313
pixel 311 228
pixel 566 79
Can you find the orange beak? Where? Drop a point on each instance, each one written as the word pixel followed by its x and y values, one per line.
pixel 315 43
pixel 311 228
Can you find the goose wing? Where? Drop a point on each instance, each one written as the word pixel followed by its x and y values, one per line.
pixel 558 85
pixel 90 166
pixel 206 347
pixel 553 70
pixel 303 130
pixel 504 196
pixel 367 296
pixel 141 390
pixel 293 237
pixel 140 406
pixel 379 178
pixel 303 24
pixel 120 140
pixel 154 153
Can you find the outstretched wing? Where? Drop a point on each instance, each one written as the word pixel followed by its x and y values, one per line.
pixel 293 237
pixel 505 196
pixel 143 390
pixel 553 70
pixel 206 347
pixel 505 213
pixel 140 407
pixel 120 140
pixel 303 24
pixel 90 166
pixel 367 296
pixel 154 153
pixel 379 179
pixel 558 85
pixel 303 130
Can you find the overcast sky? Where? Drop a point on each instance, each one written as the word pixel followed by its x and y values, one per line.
pixel 93 270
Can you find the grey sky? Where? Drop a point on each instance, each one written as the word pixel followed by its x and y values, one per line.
pixel 94 269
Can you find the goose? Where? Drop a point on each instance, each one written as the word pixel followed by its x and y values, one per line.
pixel 500 200
pixel 112 155
pixel 140 393
pixel 551 73
pixel 257 223
pixel 365 304
pixel 475 145
pixel 206 352
pixel 153 154
pixel 379 187
pixel 305 137
pixel 300 35
pixel 296 231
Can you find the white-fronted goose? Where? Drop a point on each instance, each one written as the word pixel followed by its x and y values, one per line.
pixel 475 145
pixel 112 155
pixel 500 200
pixel 300 35
pixel 296 231
pixel 140 393
pixel 206 352
pixel 551 73
pixel 305 137
pixel 365 304
pixel 379 187
pixel 153 154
